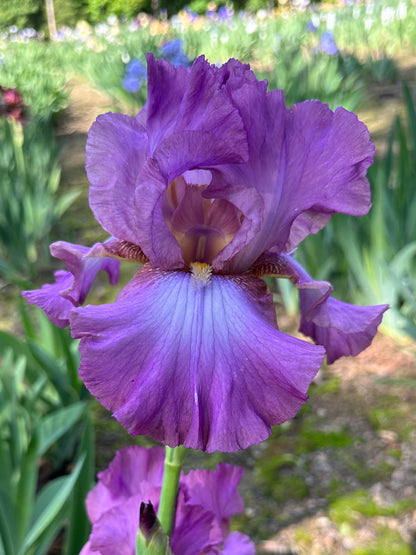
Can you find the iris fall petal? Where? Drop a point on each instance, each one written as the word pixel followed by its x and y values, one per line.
pixel 193 364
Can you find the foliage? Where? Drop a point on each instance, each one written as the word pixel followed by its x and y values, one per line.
pixel 29 178
pixel 43 414
pixel 38 74
pixel 22 13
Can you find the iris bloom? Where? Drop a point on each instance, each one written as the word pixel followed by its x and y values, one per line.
pixel 211 186
pixel 206 502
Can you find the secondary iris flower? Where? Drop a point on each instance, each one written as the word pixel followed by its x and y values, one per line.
pixel 206 502
pixel 212 185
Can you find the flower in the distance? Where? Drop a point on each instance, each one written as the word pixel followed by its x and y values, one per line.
pixel 206 502
pixel 327 44
pixel 135 76
pixel 11 104
pixel 172 52
pixel 213 185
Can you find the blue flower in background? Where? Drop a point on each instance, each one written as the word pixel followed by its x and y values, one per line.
pixel 311 27
pixel 327 44
pixel 172 52
pixel 135 75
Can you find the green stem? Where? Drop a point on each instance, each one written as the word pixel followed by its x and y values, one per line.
pixel 173 465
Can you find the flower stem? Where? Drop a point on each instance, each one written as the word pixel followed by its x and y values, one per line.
pixel 173 465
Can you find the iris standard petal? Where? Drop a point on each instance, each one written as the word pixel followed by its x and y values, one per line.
pixel 115 154
pixel 307 165
pixel 191 99
pixel 193 364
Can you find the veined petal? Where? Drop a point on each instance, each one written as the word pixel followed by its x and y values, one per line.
pixel 307 164
pixel 193 364
pixel 343 329
pixel 115 154
pixel 192 99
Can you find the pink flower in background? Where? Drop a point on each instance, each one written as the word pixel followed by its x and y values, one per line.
pixel 206 502
pixel 11 104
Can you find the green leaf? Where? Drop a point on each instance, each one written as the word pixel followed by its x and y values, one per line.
pixel 7 524
pixel 79 524
pixel 27 486
pixel 53 426
pixel 49 504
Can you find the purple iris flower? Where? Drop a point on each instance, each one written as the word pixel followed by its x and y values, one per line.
pixel 206 502
pixel 135 76
pixel 172 52
pixel 327 44
pixel 213 185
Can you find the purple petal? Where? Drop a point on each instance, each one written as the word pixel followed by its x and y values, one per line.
pixel 193 364
pixel 115 154
pixel 307 164
pixel 238 544
pixel 115 531
pixel 216 491
pixel 49 298
pixel 84 268
pixel 134 471
pixel 194 531
pixel 192 99
pixel 70 288
pixel 343 329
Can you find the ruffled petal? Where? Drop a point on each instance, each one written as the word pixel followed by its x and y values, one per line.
pixel 50 300
pixel 191 99
pixel 193 364
pixel 115 153
pixel 84 268
pixel 71 288
pixel 343 329
pixel 307 164
pixel 216 491
pixel 133 471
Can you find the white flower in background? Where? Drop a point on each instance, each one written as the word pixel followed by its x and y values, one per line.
pixel 368 23
pixel 315 20
pixel 387 16
pixel 330 21
pixel 356 12
pixel 369 9
pixel 401 12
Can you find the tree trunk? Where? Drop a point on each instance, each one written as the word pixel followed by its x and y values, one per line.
pixel 50 13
